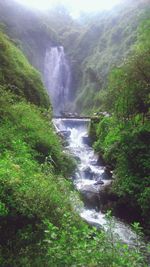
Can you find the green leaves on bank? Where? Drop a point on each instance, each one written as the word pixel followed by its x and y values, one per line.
pixel 123 137
pixel 19 76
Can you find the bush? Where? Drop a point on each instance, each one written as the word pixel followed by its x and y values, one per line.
pixel 19 76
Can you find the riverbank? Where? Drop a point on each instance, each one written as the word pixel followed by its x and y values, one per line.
pixel 125 148
pixel 92 178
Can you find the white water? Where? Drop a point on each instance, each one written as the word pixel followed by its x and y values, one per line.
pixel 57 77
pixel 87 157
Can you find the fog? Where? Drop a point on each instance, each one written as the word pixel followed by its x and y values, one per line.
pixel 75 7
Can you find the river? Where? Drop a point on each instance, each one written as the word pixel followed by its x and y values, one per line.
pixel 90 176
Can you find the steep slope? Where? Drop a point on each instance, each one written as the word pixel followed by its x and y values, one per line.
pixel 32 164
pixel 28 29
pixel 123 137
pixel 18 75
pixel 37 221
pixel 93 44
pixel 98 44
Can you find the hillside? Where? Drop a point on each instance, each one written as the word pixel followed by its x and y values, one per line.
pixel 40 224
pixel 28 30
pixel 37 218
pixel 93 44
pixel 123 137
pixel 98 44
pixel 18 75
pixel 32 164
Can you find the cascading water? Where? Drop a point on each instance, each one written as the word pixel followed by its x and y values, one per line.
pixel 89 177
pixel 57 77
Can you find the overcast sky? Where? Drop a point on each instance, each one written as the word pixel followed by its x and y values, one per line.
pixel 76 6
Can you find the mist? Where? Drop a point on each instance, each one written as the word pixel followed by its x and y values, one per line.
pixel 75 7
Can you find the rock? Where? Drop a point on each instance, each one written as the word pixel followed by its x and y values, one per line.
pixel 107 198
pixel 74 176
pixel 93 162
pixel 90 196
pixel 77 159
pixel 107 175
pixel 66 134
pixel 97 176
pixel 100 161
pixel 86 140
pixel 99 182
pixel 92 223
pixel 108 169
pixel 88 173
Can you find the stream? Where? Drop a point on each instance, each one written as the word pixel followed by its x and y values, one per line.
pixel 90 176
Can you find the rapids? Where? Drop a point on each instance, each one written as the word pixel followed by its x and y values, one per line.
pixel 87 174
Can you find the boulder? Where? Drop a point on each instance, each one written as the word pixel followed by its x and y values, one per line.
pixel 93 162
pixel 100 161
pixel 90 196
pixel 87 140
pixel 99 182
pixel 107 175
pixel 89 174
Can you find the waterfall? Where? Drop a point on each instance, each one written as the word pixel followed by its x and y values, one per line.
pixel 57 78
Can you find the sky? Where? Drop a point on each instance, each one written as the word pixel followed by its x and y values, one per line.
pixel 76 6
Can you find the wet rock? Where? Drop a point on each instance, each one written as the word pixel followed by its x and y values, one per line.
pixel 88 173
pixel 100 161
pixel 65 134
pixel 97 176
pixel 86 140
pixel 108 169
pixel 65 143
pixel 99 182
pixel 107 175
pixel 90 196
pixel 107 198
pixel 93 224
pixel 74 176
pixel 93 162
pixel 77 159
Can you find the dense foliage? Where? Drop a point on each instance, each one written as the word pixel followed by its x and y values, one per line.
pixel 31 168
pixel 38 224
pixel 28 29
pixel 124 136
pixel 32 164
pixel 20 77
pixel 93 43
pixel 102 42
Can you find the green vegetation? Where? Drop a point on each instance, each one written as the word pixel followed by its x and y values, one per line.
pixel 28 29
pixel 32 164
pixel 20 77
pixel 94 44
pixel 38 224
pixel 124 137
pixel 31 168
pixel 98 44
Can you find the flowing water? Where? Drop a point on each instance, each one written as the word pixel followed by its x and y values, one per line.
pixel 90 177
pixel 57 77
